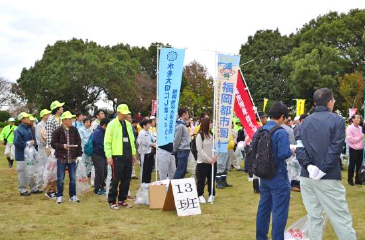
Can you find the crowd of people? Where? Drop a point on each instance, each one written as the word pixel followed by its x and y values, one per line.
pixel 306 152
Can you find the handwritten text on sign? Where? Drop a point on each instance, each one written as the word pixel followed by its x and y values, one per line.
pixel 186 197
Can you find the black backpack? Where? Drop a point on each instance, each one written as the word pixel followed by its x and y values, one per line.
pixel 260 158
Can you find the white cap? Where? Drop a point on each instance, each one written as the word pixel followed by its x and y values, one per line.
pixel 152 117
pixel 11 120
pixel 297 118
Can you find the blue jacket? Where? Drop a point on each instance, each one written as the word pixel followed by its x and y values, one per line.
pixel 280 146
pixel 98 140
pixel 21 136
pixel 323 136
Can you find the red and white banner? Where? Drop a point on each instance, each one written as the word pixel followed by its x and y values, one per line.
pixel 154 108
pixel 244 108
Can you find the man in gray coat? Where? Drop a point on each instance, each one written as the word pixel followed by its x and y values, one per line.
pixel 320 140
pixel 182 143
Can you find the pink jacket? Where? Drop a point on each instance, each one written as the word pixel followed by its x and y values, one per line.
pixel 354 137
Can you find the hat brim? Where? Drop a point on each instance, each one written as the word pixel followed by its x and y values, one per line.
pixel 46 113
pixel 125 112
pixel 69 117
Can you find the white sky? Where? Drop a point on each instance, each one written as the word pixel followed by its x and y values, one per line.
pixel 26 27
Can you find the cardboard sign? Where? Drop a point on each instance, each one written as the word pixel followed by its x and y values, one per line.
pixel 156 196
pixel 182 192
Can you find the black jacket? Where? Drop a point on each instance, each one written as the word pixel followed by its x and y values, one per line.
pixel 323 137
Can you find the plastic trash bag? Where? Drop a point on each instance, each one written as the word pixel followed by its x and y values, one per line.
pixel 108 180
pixel 299 229
pixel 50 170
pixel 30 158
pixel 293 168
pixel 92 178
pixel 191 164
pixel 142 194
pixel 82 181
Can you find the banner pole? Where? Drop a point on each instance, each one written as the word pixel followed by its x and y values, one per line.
pixel 214 123
pixel 157 78
pixel 249 94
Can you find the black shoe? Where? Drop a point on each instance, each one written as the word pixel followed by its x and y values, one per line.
pixel 11 163
pixel 134 177
pixel 224 181
pixel 26 194
pixel 351 182
pixel 36 192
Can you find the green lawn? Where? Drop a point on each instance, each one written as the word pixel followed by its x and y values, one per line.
pixel 231 217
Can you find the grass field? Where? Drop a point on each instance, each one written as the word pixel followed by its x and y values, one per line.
pixel 231 217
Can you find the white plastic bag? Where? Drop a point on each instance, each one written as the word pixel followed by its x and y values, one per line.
pixel 299 229
pixel 191 164
pixel 142 194
pixel 50 170
pixel 108 180
pixel 82 181
pixel 293 168
pixel 30 156
pixel 92 178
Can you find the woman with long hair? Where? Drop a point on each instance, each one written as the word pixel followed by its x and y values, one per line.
pixel 206 158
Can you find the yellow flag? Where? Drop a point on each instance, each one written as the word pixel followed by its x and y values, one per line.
pixel 300 106
pixel 265 103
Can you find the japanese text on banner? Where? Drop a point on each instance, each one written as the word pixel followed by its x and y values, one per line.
pixel 169 83
pixel 224 99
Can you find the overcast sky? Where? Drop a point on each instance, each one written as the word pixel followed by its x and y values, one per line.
pixel 202 27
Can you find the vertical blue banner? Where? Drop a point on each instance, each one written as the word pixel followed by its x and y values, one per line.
pixel 224 90
pixel 169 82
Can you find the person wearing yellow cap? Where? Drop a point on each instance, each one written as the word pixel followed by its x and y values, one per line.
pixel 7 137
pixel 66 141
pixel 23 138
pixel 40 136
pixel 120 152
pixel 53 122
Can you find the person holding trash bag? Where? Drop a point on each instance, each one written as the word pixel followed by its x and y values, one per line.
pixel 40 135
pixel 120 152
pixel 7 137
pixel 206 158
pixel 274 191
pixel 23 138
pixel 320 138
pixel 98 158
pixel 53 122
pixel 67 144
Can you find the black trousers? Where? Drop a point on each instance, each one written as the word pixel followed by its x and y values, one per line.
pixel 355 160
pixel 121 178
pixel 147 167
pixel 203 175
pixel 100 164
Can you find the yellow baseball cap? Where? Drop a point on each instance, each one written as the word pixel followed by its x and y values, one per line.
pixel 67 115
pixel 23 115
pixel 31 118
pixel 45 112
pixel 56 104
pixel 123 109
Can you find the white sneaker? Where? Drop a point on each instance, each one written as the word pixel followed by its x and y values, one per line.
pixel 211 199
pixel 202 199
pixel 59 200
pixel 74 199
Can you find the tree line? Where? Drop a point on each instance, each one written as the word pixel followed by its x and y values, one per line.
pixel 326 52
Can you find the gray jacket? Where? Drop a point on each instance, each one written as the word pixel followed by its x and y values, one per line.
pixel 323 136
pixel 38 134
pixel 182 137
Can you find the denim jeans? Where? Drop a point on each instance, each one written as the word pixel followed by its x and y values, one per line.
pixel 61 168
pixel 182 163
pixel 274 198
